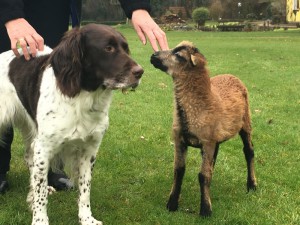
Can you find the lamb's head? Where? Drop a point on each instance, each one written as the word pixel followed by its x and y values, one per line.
pixel 180 60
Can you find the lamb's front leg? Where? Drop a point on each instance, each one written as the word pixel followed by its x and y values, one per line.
pixel 179 170
pixel 38 195
pixel 205 178
pixel 86 163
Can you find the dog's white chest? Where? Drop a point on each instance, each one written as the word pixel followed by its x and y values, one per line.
pixel 78 118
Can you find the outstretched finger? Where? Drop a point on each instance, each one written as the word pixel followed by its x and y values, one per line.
pixel 153 41
pixel 39 41
pixel 32 45
pixel 141 35
pixel 161 39
pixel 23 44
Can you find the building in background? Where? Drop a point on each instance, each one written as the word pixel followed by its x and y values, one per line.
pixel 293 10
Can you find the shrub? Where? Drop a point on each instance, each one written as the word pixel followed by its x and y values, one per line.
pixel 200 15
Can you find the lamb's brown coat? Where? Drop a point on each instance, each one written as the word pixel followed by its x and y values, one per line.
pixel 208 111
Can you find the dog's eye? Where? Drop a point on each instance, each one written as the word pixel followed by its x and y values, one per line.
pixel 125 47
pixel 109 48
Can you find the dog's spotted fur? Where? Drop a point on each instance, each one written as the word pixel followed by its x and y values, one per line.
pixel 60 102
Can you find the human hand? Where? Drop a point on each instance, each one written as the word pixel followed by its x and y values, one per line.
pixel 145 26
pixel 21 33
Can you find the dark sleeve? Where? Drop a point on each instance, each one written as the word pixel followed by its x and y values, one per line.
pixel 130 5
pixel 11 9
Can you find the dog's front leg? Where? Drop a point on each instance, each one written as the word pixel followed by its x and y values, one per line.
pixel 38 194
pixel 86 163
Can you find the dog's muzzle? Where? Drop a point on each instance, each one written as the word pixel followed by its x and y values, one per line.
pixel 137 71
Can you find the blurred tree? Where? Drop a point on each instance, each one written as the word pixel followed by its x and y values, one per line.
pixel 104 10
pixel 198 3
pixel 158 7
pixel 279 9
pixel 216 10
pixel 109 10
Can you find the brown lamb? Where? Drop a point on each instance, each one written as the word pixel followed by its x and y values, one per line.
pixel 207 112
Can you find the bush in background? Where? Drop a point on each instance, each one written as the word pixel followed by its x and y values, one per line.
pixel 200 15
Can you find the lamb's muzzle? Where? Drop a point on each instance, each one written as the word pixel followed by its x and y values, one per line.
pixel 157 62
pixel 207 112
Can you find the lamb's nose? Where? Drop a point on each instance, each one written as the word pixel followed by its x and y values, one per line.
pixel 137 71
pixel 155 54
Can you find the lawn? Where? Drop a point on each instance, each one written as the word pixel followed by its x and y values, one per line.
pixel 134 169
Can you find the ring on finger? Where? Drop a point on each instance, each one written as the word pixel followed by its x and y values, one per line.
pixel 19 42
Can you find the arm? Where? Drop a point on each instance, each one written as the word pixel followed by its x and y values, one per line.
pixel 138 11
pixel 11 9
pixel 18 29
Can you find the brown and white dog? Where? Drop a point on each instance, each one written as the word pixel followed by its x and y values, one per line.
pixel 60 102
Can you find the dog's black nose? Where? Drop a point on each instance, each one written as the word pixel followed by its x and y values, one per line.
pixel 137 71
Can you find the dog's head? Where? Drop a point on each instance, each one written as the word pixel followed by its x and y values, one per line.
pixel 92 57
pixel 183 58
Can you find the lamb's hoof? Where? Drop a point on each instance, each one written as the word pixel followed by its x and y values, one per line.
pixel 90 221
pixel 251 186
pixel 205 211
pixel 172 204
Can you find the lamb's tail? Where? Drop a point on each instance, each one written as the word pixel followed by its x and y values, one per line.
pixel 247 115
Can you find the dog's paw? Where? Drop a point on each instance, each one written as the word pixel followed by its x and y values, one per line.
pixel 51 190
pixel 89 220
pixel 40 220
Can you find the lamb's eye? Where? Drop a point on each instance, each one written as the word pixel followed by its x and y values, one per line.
pixel 179 57
pixel 109 48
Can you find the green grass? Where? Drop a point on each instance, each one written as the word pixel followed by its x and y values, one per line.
pixel 133 173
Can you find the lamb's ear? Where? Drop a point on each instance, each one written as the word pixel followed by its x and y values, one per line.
pixel 66 60
pixel 198 58
pixel 195 59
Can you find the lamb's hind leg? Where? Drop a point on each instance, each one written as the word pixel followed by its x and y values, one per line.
pixel 179 170
pixel 249 155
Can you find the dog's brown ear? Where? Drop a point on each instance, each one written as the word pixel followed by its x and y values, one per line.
pixel 66 60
